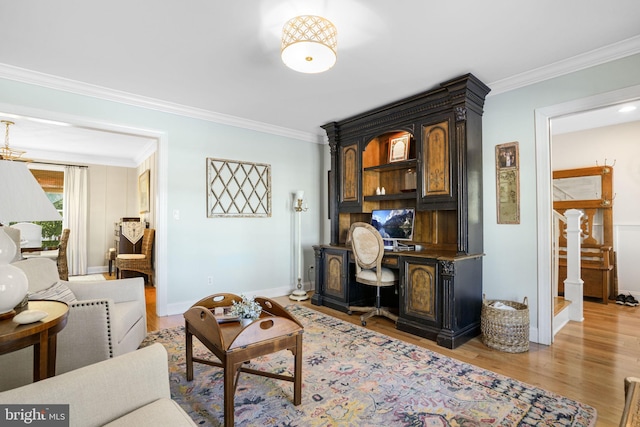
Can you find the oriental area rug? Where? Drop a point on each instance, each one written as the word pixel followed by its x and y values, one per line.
pixel 356 377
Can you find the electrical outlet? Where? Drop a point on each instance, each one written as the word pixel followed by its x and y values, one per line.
pixel 210 280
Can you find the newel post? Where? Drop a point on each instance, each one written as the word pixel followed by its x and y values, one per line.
pixel 573 284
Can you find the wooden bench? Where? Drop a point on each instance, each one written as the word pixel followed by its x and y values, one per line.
pixel 596 271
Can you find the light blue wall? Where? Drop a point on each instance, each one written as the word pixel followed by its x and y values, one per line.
pixel 240 254
pixel 511 250
pixel 245 255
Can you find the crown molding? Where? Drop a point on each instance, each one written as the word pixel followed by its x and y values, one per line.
pixel 595 57
pixel 60 83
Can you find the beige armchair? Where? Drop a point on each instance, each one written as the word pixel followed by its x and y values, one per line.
pixel 108 319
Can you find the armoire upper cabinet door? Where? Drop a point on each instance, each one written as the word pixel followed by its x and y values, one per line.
pixel 436 163
pixel 350 175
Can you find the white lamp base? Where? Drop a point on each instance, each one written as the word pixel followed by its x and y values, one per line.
pixel 299 295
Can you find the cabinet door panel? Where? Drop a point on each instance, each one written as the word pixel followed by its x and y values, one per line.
pixel 437 158
pixel 334 274
pixel 350 177
pixel 420 294
pixel 435 149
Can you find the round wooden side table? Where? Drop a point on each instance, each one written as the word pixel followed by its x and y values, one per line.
pixel 41 335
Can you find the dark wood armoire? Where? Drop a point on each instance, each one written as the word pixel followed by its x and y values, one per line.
pixel 439 174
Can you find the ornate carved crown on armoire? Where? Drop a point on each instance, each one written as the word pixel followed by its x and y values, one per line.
pixel 423 153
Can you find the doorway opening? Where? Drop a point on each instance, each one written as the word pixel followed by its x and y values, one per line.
pixel 543 124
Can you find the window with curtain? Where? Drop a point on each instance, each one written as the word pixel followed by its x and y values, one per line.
pixel 52 182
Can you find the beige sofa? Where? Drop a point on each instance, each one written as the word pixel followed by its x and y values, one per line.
pixel 129 390
pixel 108 319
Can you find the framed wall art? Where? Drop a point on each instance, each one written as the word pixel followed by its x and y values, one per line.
pixel 508 183
pixel 143 191
pixel 238 189
pixel 399 148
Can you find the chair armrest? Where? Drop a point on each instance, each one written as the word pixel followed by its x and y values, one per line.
pixel 121 290
pixel 87 338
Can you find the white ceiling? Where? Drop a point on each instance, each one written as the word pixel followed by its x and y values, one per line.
pixel 220 59
pixel 605 116
pixel 61 142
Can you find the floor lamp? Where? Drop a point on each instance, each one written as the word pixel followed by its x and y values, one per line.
pixel 299 294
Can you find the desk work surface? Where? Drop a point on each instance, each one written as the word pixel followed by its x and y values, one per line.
pixel 437 254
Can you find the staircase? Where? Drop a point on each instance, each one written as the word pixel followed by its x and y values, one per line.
pixel 560 313
pixel 563 309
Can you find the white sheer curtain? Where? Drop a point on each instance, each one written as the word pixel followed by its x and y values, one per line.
pixel 75 209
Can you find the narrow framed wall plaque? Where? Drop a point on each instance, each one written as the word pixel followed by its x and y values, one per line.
pixel 508 183
pixel 238 189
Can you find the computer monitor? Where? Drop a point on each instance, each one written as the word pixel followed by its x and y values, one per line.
pixel 393 225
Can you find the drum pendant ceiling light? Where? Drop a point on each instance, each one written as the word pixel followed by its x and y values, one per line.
pixel 309 44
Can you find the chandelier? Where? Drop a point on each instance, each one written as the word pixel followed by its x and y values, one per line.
pixel 309 44
pixel 7 153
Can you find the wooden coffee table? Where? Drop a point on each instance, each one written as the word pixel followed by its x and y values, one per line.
pixel 41 335
pixel 233 345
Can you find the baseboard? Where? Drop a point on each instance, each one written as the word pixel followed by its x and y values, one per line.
pixel 97 270
pixel 181 307
pixel 533 334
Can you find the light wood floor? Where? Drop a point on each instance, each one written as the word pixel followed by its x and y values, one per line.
pixel 587 362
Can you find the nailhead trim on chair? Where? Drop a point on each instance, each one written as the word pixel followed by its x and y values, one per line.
pixel 84 304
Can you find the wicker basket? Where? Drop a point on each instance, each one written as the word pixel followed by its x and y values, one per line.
pixel 505 330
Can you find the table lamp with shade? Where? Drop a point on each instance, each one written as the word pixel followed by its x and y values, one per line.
pixel 21 199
